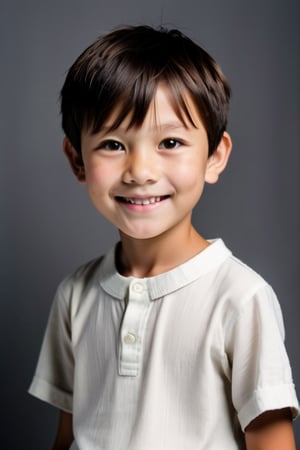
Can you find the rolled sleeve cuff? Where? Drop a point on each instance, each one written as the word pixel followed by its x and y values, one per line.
pixel 48 393
pixel 268 399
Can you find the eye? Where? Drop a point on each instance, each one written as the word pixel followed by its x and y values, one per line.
pixel 111 145
pixel 170 143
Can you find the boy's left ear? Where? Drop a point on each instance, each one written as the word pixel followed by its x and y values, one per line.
pixel 218 160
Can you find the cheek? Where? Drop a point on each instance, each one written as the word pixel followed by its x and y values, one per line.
pixel 98 178
pixel 189 176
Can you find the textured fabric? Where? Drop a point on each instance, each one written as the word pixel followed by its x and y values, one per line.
pixel 182 360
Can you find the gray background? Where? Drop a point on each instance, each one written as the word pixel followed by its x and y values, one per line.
pixel 48 226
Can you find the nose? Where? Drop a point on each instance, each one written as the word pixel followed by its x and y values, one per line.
pixel 142 167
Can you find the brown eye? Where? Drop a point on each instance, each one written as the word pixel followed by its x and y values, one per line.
pixel 170 144
pixel 111 145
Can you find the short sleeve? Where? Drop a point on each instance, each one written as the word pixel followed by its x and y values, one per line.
pixel 261 372
pixel 53 379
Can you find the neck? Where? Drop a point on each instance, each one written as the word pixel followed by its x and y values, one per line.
pixel 149 257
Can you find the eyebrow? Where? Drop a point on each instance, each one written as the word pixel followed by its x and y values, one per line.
pixel 174 125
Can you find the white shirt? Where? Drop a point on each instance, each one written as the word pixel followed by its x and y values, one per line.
pixel 181 361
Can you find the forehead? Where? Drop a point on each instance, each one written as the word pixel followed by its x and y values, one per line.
pixel 163 110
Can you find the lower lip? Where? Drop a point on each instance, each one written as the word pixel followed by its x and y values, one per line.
pixel 143 208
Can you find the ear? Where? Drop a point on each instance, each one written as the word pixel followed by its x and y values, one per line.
pixel 218 160
pixel 75 160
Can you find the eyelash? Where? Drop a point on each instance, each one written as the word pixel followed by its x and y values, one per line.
pixel 175 143
pixel 111 145
pixel 115 146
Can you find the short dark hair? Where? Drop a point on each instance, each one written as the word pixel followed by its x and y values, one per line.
pixel 125 66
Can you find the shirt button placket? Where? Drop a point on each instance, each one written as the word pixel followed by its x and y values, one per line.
pixel 133 326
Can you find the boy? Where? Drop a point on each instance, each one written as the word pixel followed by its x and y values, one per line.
pixel 168 342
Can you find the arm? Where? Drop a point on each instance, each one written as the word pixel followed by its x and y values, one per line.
pixel 64 436
pixel 272 430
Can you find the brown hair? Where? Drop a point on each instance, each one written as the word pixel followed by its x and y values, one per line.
pixel 124 68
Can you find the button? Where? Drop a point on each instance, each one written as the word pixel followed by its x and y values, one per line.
pixel 137 287
pixel 130 338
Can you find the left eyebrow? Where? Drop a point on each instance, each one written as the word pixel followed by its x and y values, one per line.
pixel 171 126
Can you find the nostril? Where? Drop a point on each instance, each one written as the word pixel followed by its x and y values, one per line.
pixel 140 169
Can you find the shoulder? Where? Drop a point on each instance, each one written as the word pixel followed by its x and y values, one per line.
pixel 75 286
pixel 247 302
pixel 239 276
pixel 239 289
pixel 240 282
pixel 82 276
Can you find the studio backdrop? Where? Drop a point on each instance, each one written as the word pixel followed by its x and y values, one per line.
pixel 48 226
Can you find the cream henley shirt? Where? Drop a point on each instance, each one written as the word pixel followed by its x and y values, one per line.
pixel 180 361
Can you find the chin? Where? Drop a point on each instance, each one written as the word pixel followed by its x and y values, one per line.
pixel 139 235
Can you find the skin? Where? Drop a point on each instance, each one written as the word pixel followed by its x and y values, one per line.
pixel 165 159
pixel 64 436
pixel 272 430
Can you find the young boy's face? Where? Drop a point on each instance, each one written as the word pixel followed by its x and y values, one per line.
pixel 147 180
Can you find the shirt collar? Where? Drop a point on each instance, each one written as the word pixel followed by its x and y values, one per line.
pixel 158 286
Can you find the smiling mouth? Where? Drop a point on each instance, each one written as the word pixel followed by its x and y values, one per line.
pixel 142 201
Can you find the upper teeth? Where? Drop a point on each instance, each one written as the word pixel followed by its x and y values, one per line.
pixel 142 201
